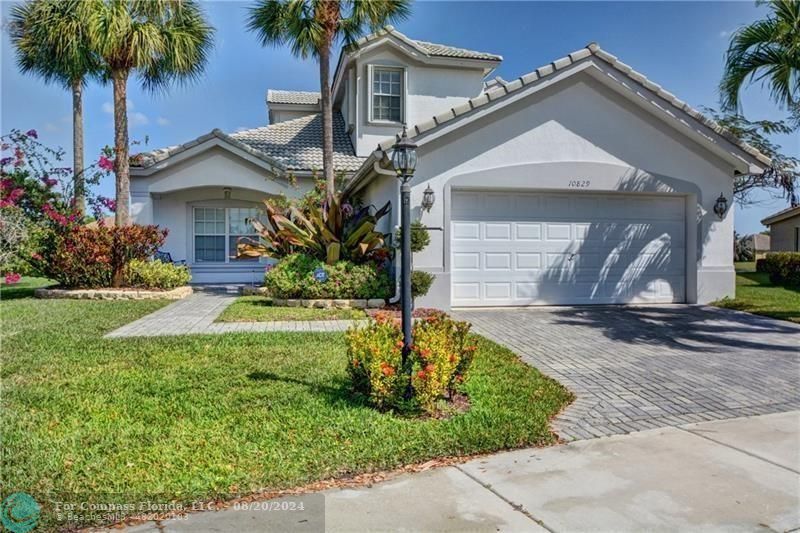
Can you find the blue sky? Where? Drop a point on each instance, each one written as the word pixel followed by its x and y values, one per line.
pixel 679 45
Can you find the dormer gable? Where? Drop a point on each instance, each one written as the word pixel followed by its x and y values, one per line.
pixel 386 79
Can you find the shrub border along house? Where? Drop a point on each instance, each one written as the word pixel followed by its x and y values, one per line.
pixel 783 268
pixel 320 303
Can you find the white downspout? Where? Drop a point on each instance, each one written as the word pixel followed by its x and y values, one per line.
pixel 394 226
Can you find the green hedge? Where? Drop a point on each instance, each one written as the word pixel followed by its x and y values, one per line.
pixel 156 275
pixel 293 277
pixel 783 268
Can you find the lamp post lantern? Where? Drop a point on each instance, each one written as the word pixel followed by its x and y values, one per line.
pixel 404 161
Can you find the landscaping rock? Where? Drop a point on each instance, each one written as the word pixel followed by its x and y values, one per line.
pixel 254 291
pixel 113 294
pixel 321 304
pixel 294 303
pixel 375 303
pixel 359 304
pixel 341 304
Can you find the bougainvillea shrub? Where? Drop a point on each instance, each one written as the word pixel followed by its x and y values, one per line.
pixel 36 195
pixel 438 363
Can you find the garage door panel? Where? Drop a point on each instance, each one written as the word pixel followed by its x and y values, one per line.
pixel 494 231
pixel 543 248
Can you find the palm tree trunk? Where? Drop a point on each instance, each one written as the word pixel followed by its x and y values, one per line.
pixel 79 185
pixel 121 163
pixel 327 118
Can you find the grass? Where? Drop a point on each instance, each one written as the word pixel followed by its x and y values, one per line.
pixel 756 294
pixel 24 288
pixel 260 309
pixel 85 418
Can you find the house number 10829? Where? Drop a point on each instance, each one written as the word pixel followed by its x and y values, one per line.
pixel 579 184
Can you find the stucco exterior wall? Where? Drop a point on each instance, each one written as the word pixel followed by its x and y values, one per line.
pixel 429 91
pixel 167 197
pixel 783 235
pixel 579 129
pixel 282 115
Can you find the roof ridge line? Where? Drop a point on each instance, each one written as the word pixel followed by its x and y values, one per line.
pixel 591 49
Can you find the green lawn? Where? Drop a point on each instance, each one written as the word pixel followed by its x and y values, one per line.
pixel 756 294
pixel 260 309
pixel 201 417
pixel 24 288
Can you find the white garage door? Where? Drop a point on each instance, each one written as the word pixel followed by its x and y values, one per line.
pixel 566 248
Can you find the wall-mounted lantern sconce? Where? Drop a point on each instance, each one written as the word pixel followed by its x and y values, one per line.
pixel 227 193
pixel 428 199
pixel 721 206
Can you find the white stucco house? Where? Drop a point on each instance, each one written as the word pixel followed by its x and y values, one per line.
pixel 580 182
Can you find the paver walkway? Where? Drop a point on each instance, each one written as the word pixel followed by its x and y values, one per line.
pixel 635 368
pixel 196 315
pixel 732 475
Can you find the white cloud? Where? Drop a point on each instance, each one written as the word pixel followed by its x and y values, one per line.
pixel 138 119
pixel 161 121
pixel 50 127
pixel 135 118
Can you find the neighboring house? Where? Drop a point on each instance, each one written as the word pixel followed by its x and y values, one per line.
pixel 760 244
pixel 581 182
pixel 784 230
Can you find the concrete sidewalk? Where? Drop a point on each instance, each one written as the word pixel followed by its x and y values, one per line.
pixel 197 314
pixel 733 475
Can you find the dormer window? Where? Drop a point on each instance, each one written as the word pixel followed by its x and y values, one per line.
pixel 387 94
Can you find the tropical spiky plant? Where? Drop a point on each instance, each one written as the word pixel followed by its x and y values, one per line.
pixel 161 42
pixel 50 41
pixel 313 28
pixel 767 51
pixel 331 232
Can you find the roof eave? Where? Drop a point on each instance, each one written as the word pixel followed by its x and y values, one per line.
pixel 743 157
pixel 214 138
pixel 781 216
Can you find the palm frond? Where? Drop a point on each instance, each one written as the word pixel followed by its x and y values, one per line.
pixel 767 51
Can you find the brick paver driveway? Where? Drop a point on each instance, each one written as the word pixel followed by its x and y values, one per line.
pixel 635 368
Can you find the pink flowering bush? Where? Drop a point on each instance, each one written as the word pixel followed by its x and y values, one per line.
pixel 36 187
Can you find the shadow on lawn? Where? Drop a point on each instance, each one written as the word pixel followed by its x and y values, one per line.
pixel 22 290
pixel 339 392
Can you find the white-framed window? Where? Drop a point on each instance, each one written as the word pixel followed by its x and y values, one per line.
pixel 217 231
pixel 386 94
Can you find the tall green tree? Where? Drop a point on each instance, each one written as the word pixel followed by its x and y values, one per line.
pixel 50 41
pixel 313 28
pixel 160 42
pixel 766 51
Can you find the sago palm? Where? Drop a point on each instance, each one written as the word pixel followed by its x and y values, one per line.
pixel 50 41
pixel 767 51
pixel 313 28
pixel 160 42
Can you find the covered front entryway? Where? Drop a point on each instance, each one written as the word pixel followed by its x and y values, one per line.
pixel 514 248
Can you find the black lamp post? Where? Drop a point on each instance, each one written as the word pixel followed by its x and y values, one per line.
pixel 404 161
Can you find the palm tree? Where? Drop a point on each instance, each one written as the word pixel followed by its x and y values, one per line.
pixel 160 41
pixel 50 41
pixel 312 28
pixel 768 51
